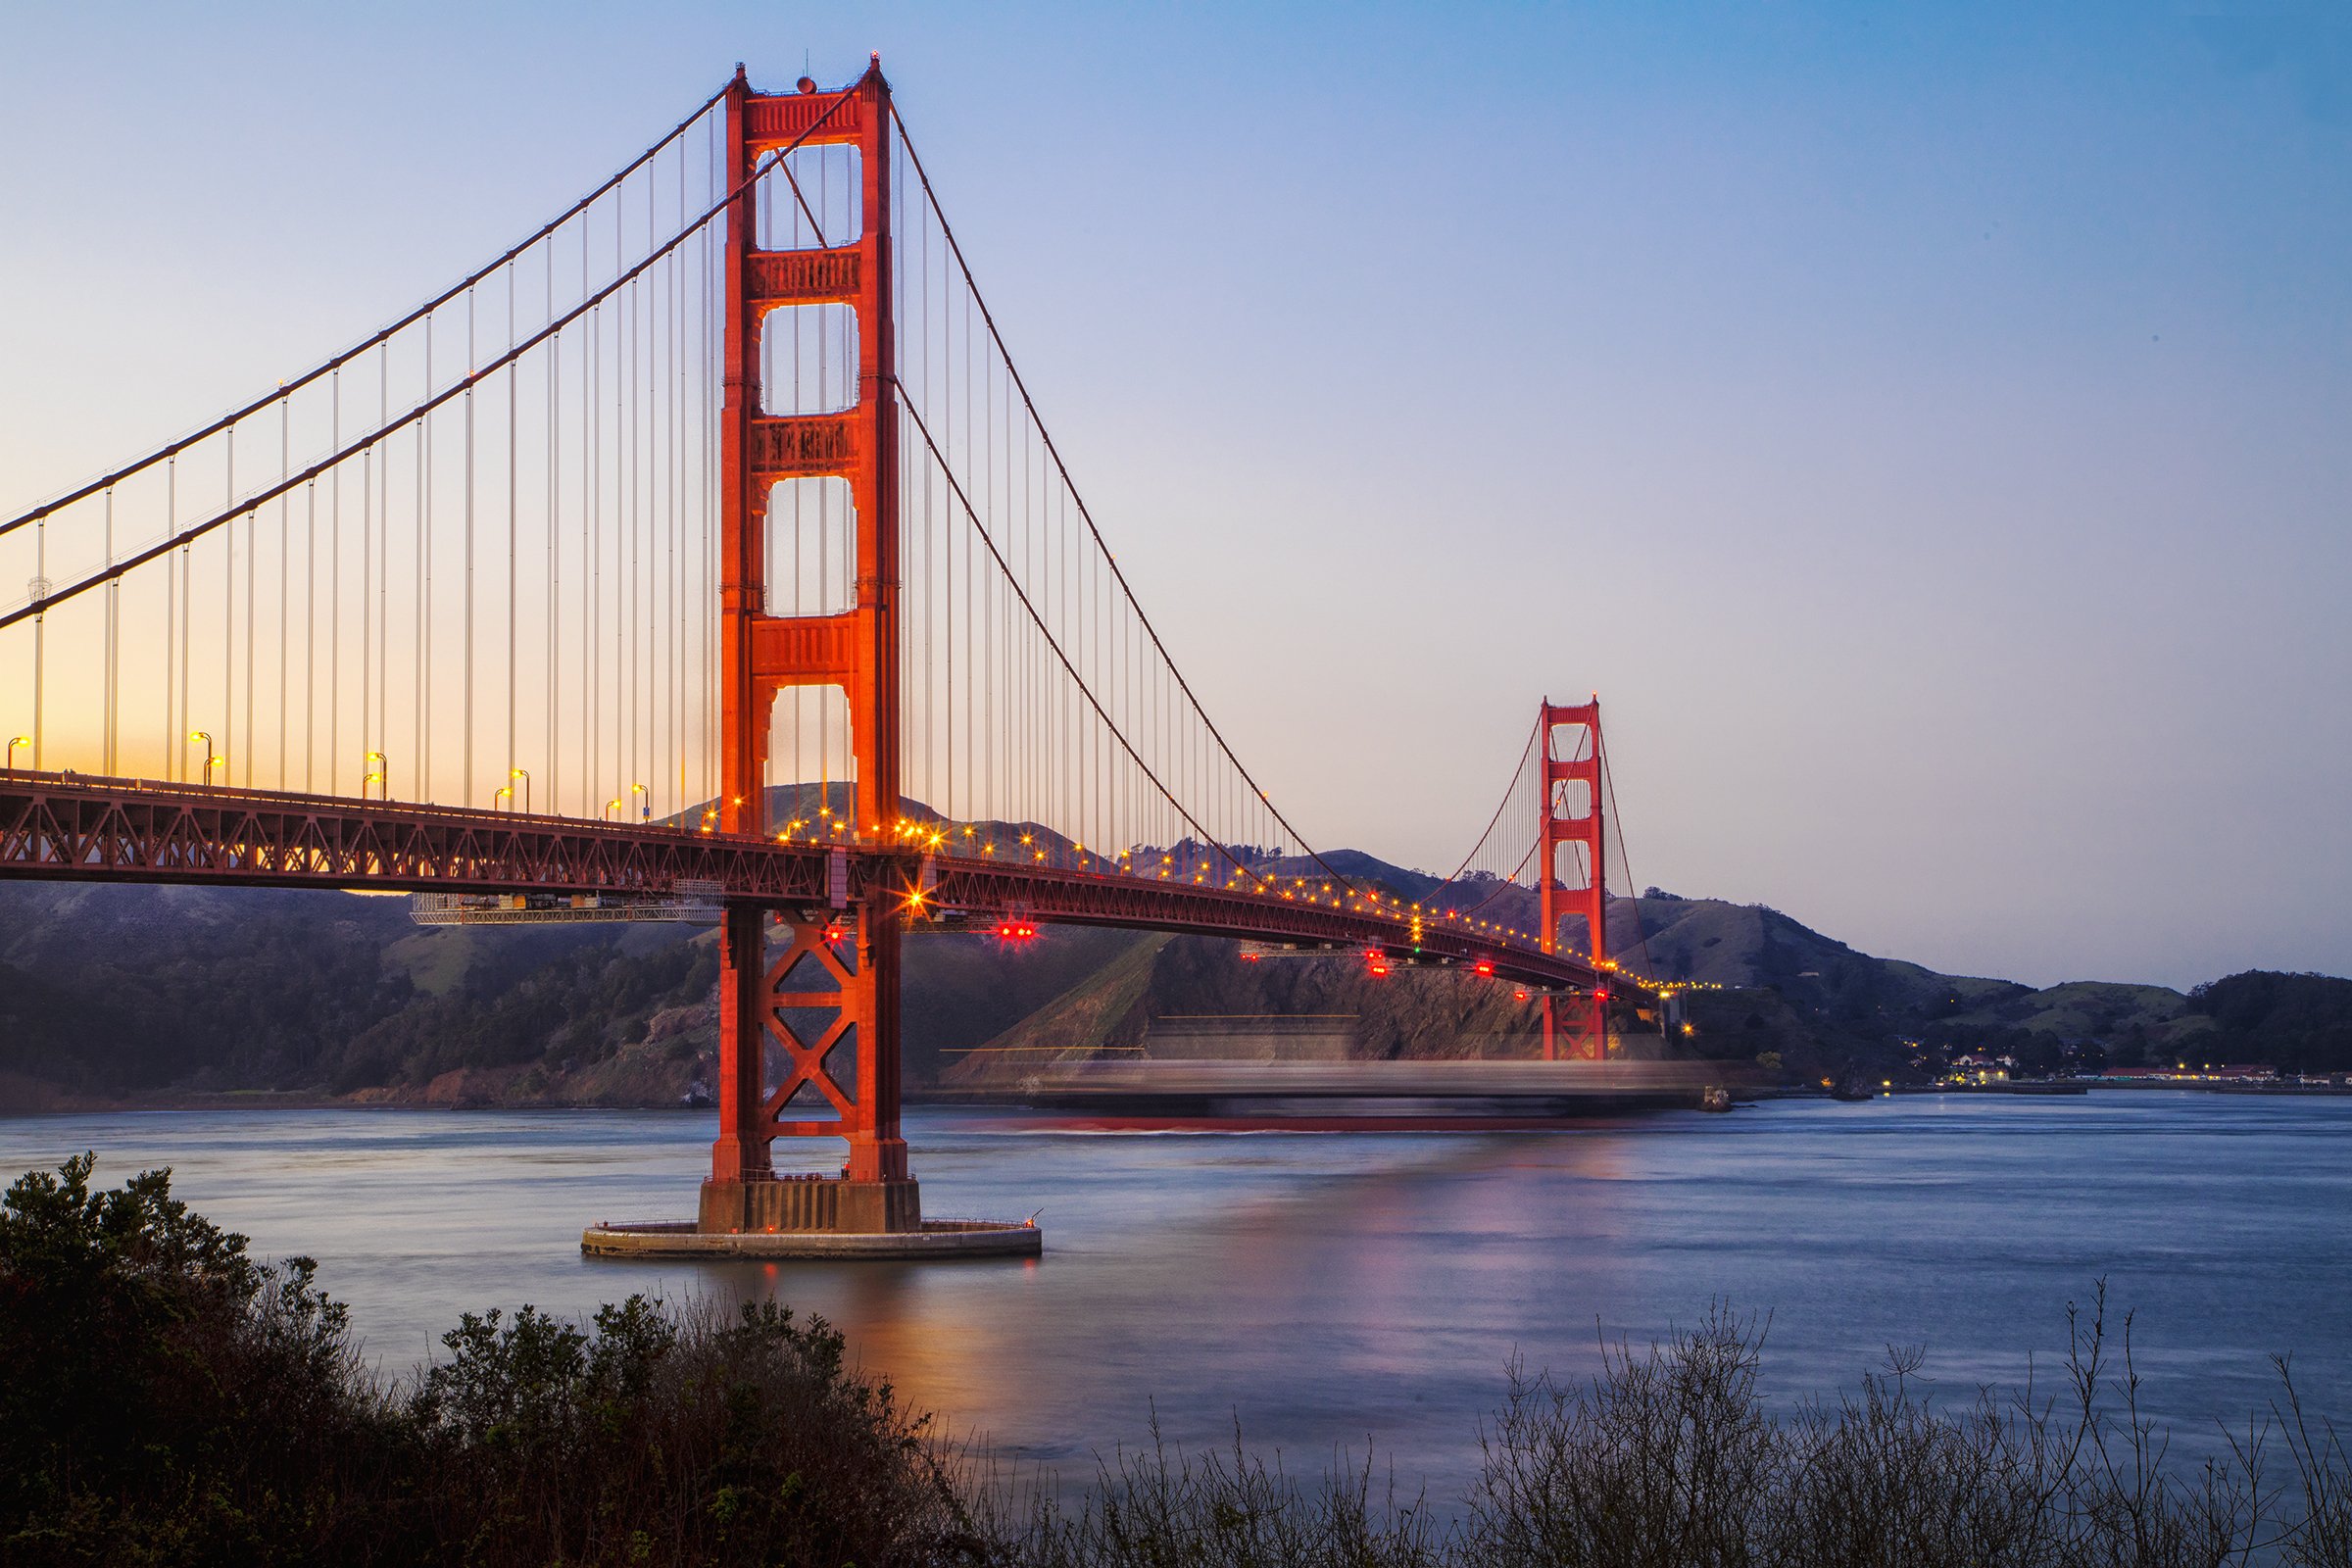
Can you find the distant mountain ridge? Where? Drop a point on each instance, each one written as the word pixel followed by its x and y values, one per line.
pixel 111 992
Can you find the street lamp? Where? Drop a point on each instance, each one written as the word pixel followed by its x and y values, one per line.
pixel 14 741
pixel 518 773
pixel 376 775
pixel 645 808
pixel 205 740
pixel 609 808
pixel 505 792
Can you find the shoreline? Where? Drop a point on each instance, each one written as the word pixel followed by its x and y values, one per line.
pixel 27 1099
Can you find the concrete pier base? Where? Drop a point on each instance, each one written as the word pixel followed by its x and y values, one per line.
pixel 938 1239
pixel 827 1203
pixel 812 1216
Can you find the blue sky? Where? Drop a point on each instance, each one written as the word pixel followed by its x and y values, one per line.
pixel 1926 426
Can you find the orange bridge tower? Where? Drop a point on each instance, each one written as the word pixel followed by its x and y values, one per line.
pixel 824 994
pixel 1572 815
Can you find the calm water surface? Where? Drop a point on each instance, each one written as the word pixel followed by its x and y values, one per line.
pixel 1334 1288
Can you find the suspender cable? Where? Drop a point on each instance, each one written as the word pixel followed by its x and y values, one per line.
pixel 466 780
pixel 231 738
pixel 309 628
pixel 555 565
pixel 335 600
pixel 114 634
pixel 513 515
pixel 380 730
pixel 423 741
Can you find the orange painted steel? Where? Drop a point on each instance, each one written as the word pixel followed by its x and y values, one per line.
pixel 761 655
pixel 1563 822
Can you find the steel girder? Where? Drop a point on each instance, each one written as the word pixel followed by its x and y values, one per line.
pixel 76 827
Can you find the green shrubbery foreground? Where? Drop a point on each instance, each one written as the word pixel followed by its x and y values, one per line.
pixel 167 1399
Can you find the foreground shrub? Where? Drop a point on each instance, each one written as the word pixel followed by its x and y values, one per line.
pixel 166 1399
pixel 668 1437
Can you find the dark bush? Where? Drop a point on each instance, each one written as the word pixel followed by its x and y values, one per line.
pixel 169 1401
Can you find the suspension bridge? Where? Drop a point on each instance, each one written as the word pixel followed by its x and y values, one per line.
pixel 707 548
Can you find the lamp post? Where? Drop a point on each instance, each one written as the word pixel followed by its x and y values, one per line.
pixel 609 808
pixel 645 808
pixel 505 792
pixel 514 774
pixel 202 738
pixel 378 773
pixel 14 741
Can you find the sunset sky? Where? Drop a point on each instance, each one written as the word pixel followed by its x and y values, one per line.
pixel 1929 429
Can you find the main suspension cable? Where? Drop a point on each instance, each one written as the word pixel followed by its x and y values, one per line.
pixel 287 388
pixel 956 249
pixel 1005 568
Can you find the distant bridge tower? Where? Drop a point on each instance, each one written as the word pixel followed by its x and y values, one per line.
pixel 1572 815
pixel 760 654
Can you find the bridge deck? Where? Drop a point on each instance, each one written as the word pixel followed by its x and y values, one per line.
pixel 80 827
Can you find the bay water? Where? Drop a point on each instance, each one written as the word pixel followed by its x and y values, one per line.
pixel 1338 1291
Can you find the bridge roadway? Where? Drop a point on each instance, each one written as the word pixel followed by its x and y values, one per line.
pixel 74 826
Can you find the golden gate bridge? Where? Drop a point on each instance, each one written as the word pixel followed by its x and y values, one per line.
pixel 724 473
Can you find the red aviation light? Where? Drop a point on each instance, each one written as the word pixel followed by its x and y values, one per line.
pixel 1377 962
pixel 1484 966
pixel 1015 931
pixel 836 932
pixel 1600 993
pixel 1519 996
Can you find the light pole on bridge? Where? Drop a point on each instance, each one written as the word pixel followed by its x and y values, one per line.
pixel 14 741
pixel 514 774
pixel 378 772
